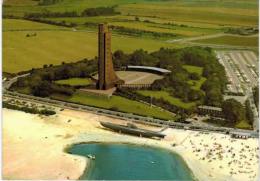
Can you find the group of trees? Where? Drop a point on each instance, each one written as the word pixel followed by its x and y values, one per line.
pixel 31 110
pixel 233 111
pixel 176 82
pixel 48 2
pixel 49 14
pixel 256 96
pixel 138 32
pixel 57 23
pixel 41 81
pixel 99 11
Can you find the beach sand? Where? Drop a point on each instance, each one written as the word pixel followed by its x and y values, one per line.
pixel 33 147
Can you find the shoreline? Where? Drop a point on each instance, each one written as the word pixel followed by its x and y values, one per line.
pixel 174 152
pixel 55 134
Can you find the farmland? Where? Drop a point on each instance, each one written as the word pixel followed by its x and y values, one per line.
pixel 251 41
pixel 51 46
pixel 231 12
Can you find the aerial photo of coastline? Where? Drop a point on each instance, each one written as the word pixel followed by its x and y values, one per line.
pixel 130 90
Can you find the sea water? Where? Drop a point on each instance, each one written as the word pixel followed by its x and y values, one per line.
pixel 131 162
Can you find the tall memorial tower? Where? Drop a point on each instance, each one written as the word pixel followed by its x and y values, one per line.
pixel 107 77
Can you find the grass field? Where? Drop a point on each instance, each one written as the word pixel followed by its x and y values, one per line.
pixel 120 104
pixel 23 25
pixel 230 12
pixel 231 40
pixel 151 26
pixel 166 96
pixel 193 69
pixel 54 46
pixel 196 84
pixel 75 82
pixel 234 13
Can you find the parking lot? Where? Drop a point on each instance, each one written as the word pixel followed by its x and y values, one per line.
pixel 241 70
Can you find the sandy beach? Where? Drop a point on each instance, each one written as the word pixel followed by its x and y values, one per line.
pixel 33 147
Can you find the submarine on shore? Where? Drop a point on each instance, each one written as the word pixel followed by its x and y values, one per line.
pixel 132 129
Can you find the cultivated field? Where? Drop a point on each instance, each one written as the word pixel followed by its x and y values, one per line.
pixel 55 46
pixel 232 12
pixel 251 41
pixel 144 24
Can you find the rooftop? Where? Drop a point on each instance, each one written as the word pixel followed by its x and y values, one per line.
pixel 149 68
pixel 210 108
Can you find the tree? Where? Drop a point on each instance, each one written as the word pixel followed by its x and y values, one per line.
pixel 194 76
pixel 233 110
pixel 43 89
pixel 249 113
pixel 256 96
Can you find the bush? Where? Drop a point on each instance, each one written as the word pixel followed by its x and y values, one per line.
pixel 99 11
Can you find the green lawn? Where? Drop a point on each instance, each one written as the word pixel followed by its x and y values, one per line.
pixel 119 103
pixel 196 84
pixel 231 40
pixel 193 69
pixel 55 46
pixel 75 82
pixel 166 96
pixel 243 125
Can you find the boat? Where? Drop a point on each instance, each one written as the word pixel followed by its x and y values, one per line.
pixel 132 129
pixel 92 157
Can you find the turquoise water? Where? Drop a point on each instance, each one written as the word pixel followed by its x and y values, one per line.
pixel 129 162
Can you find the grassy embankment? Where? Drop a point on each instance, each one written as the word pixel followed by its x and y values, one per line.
pixel 166 96
pixel 117 103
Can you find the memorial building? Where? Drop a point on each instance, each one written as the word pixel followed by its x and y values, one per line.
pixel 107 77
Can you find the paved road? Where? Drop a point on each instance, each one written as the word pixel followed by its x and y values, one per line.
pixel 189 41
pixel 7 84
pixel 195 38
